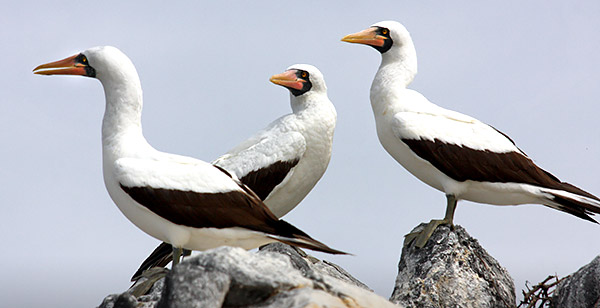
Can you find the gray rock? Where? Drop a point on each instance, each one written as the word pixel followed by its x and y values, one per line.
pixel 306 264
pixel 149 300
pixel 191 286
pixel 581 289
pixel 452 270
pixel 276 276
pixel 124 300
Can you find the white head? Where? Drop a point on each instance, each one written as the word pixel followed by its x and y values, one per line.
pixel 392 40
pixel 119 79
pixel 306 85
pixel 105 63
pixel 111 64
pixel 302 80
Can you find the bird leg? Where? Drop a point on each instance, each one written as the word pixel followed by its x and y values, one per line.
pixel 176 256
pixel 423 236
pixel 185 253
pixel 155 273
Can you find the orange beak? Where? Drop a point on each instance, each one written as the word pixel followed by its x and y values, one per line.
pixel 66 66
pixel 367 37
pixel 288 79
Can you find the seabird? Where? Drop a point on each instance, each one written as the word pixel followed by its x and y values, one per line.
pixel 452 152
pixel 284 161
pixel 186 202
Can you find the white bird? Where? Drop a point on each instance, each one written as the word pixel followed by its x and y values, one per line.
pixel 284 161
pixel 186 202
pixel 452 152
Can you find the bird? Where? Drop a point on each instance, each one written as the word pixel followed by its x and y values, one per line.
pixel 456 154
pixel 285 160
pixel 186 202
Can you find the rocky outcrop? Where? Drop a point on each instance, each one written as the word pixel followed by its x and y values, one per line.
pixel 276 276
pixel 452 270
pixel 580 289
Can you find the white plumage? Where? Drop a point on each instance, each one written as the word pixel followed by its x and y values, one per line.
pixel 454 153
pixel 180 200
pixel 284 161
pixel 306 135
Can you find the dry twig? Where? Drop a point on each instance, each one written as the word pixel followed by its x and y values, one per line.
pixel 540 295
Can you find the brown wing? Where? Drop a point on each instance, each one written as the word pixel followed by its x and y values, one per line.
pixel 211 210
pixel 462 163
pixel 264 180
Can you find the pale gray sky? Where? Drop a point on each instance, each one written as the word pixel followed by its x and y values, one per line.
pixel 531 69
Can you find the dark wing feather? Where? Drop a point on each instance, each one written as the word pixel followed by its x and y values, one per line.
pixel 211 210
pixel 264 180
pixel 462 163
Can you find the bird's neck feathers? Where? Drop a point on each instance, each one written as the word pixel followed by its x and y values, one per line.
pixel 122 116
pixel 309 102
pixel 398 66
pixel 303 102
pixel 397 70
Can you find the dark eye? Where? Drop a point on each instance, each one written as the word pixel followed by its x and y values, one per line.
pixel 81 59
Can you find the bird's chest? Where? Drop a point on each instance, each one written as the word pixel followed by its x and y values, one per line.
pixel 402 153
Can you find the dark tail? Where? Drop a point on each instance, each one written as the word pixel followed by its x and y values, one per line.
pixel 309 243
pixel 296 237
pixel 163 254
pixel 575 204
pixel 160 257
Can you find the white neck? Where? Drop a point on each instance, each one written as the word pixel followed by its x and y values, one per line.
pixel 304 101
pixel 397 70
pixel 121 126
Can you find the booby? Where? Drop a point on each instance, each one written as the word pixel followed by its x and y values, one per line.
pixel 284 161
pixel 452 152
pixel 186 202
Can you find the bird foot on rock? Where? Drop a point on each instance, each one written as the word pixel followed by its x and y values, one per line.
pixel 421 237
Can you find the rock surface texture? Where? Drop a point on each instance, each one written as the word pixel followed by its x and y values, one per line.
pixel 581 289
pixel 276 276
pixel 452 270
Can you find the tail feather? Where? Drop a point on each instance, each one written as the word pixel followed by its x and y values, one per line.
pixel 582 206
pixel 293 236
pixel 160 257
pixel 163 254
pixel 578 191
pixel 308 243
